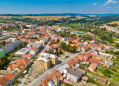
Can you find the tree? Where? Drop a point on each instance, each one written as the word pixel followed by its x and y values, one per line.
pixel 111 51
pixel 20 46
pixel 60 52
pixel 70 48
pixel 4 62
pixel 57 41
pixel 117 58
pixel 106 51
pixel 74 48
pixel 107 73
pixel 63 45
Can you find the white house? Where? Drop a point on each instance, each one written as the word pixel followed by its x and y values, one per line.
pixel 33 50
pixel 73 74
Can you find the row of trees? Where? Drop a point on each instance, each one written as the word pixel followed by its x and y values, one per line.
pixel 4 62
pixel 68 47
pixel 22 45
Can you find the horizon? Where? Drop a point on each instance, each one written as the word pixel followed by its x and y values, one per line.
pixel 58 7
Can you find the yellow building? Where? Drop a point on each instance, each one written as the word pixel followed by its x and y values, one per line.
pixel 45 60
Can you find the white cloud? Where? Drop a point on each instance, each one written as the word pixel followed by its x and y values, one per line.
pixel 108 7
pixel 109 1
pixel 94 3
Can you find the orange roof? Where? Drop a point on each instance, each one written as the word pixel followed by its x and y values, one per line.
pixel 27 55
pixel 87 47
pixel 34 48
pixel 74 45
pixel 3 81
pixel 25 61
pixel 93 66
pixel 9 76
pixel 20 66
pixel 75 41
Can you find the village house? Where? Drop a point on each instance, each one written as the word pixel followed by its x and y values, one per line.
pixel 73 74
pixel 10 77
pixel 4 81
pixel 92 67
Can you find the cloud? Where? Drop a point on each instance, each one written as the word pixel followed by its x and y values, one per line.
pixel 109 1
pixel 108 7
pixel 94 3
pixel 118 6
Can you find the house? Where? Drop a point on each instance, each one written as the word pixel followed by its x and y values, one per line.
pixel 92 67
pixel 22 51
pixel 10 77
pixel 85 78
pixel 102 80
pixel 33 50
pixel 4 81
pixel 16 74
pixel 85 49
pixel 108 64
pixel 54 79
pixel 93 60
pixel 73 74
pixel 27 56
pixel 61 68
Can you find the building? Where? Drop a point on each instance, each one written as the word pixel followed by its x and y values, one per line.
pixel 45 60
pixel 35 44
pixel 16 74
pixel 102 80
pixel 22 51
pixel 33 50
pixel 63 67
pixel 73 74
pixel 10 77
pixel 4 81
pixel 0 32
pixel 9 48
pixel 92 67
pixel 27 56
pixel 2 53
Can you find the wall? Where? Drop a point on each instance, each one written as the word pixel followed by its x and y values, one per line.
pixel 2 53
pixel 9 48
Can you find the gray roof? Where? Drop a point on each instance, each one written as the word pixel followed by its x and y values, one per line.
pixel 74 72
pixel 15 73
pixel 63 67
pixel 108 63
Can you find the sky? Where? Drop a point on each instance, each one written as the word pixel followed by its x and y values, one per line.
pixel 59 6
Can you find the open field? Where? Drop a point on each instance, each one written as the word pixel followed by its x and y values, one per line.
pixel 47 17
pixel 117 22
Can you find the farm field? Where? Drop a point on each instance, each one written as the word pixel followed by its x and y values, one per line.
pixel 117 22
pixel 47 17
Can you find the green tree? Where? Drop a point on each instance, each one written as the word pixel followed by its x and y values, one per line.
pixel 63 45
pixel 70 48
pixel 74 48
pixel 57 41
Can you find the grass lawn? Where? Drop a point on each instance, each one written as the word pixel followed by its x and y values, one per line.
pixel 74 24
pixel 117 22
pixel 10 55
pixel 16 84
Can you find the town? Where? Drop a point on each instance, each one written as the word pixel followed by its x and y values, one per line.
pixel 58 55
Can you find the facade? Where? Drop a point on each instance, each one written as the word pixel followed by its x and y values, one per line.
pixel 0 32
pixel 9 48
pixel 45 60
pixel 22 51
pixel 73 74
pixel 10 77
pixel 2 53
pixel 33 50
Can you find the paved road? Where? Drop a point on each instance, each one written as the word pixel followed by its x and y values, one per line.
pixel 37 81
pixel 23 80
